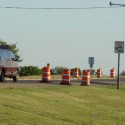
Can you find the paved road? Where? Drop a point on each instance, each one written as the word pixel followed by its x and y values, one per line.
pixel 36 82
pixel 107 81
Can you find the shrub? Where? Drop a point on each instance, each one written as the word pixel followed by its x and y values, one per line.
pixel 122 73
pixel 29 70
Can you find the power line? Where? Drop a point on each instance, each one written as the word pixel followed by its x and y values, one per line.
pixel 55 8
pixel 120 5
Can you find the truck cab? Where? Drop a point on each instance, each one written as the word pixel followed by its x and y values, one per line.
pixel 8 65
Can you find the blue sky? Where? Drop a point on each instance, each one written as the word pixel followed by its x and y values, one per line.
pixel 64 37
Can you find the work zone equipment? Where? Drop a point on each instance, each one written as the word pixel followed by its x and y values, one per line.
pixel 86 78
pixel 46 74
pixel 76 73
pixel 112 73
pixel 65 77
pixel 99 73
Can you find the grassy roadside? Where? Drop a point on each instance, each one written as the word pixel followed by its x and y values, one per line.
pixel 64 105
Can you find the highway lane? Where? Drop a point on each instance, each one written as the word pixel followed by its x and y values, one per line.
pixel 75 82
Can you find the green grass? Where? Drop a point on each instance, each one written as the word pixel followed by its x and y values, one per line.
pixel 62 105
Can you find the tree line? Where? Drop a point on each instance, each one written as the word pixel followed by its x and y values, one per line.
pixel 35 70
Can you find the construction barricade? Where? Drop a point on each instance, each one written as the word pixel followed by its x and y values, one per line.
pixel 112 73
pixel 99 73
pixel 46 74
pixel 76 73
pixel 86 77
pixel 66 77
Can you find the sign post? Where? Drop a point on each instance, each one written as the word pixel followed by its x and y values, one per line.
pixel 91 62
pixel 119 48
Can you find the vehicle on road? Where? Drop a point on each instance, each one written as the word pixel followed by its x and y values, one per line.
pixel 8 65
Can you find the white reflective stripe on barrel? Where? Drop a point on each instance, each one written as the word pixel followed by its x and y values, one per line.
pixel 86 76
pixel 65 79
pixel 46 72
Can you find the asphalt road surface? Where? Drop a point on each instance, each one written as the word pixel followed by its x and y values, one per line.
pixel 75 82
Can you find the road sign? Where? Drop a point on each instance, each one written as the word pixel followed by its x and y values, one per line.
pixel 119 47
pixel 91 61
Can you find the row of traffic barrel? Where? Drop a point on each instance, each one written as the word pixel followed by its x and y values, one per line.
pixel 46 76
pixel 99 73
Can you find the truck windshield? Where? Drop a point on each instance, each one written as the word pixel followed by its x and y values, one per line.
pixel 6 54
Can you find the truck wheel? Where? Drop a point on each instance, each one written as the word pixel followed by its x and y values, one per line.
pixel 2 77
pixel 14 78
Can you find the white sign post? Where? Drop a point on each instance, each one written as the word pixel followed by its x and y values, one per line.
pixel 118 48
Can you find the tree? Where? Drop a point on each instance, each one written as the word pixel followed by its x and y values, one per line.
pixel 72 71
pixel 13 48
pixel 93 72
pixel 122 73
pixel 29 70
pixel 57 70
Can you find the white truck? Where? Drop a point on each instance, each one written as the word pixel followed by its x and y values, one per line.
pixel 8 65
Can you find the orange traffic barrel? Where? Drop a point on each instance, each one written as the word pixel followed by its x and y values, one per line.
pixel 48 64
pixel 66 77
pixel 99 73
pixel 112 73
pixel 46 74
pixel 86 77
pixel 76 72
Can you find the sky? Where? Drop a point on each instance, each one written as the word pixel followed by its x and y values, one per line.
pixel 64 37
